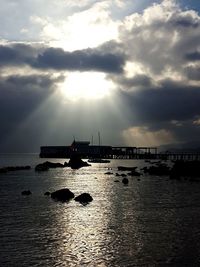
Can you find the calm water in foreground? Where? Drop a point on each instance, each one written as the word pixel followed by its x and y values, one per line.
pixel 151 222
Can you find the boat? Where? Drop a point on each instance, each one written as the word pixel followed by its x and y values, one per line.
pixel 98 160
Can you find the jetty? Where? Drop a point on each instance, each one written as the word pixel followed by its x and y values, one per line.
pixel 85 150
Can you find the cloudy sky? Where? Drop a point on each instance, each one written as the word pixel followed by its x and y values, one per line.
pixel 127 68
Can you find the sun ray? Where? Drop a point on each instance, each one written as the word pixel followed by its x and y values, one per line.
pixel 86 85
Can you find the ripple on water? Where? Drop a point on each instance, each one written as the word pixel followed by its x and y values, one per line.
pixel 151 222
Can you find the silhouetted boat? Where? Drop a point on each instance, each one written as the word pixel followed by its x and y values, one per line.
pixel 99 160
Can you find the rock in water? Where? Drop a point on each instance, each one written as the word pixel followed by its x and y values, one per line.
pixel 26 193
pixel 41 167
pixel 125 181
pixel 161 169
pixel 134 173
pixel 123 168
pixel 62 195
pixel 188 169
pixel 3 170
pixel 76 162
pixel 84 198
pixel 14 168
pixel 47 193
pixel 48 165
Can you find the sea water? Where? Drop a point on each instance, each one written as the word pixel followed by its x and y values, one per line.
pixel 153 221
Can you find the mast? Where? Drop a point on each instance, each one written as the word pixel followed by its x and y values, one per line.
pixel 99 138
pixel 92 140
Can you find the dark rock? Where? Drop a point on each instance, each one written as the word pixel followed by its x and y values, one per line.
pixel 3 170
pixel 48 165
pixel 116 181
pixel 53 165
pixel 134 173
pixel 122 168
pixel 18 168
pixel 159 170
pixel 125 181
pixel 84 198
pixel 14 168
pixel 62 195
pixel 76 162
pixel 66 164
pixel 189 169
pixel 122 174
pixel 26 193
pixel 47 193
pixel 41 167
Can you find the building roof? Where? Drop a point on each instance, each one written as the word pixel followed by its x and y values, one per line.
pixel 80 143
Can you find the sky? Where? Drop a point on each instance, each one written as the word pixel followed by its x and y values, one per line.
pixel 129 69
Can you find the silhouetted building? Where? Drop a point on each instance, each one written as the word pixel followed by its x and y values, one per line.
pixel 82 148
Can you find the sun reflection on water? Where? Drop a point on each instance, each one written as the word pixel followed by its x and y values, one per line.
pixel 150 222
pixel 100 233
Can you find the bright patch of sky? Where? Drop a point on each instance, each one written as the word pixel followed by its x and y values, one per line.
pixel 69 24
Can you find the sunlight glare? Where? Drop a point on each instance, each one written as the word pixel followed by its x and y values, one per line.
pixel 132 68
pixel 88 28
pixel 86 85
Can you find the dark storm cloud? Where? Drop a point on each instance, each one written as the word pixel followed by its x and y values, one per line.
pixel 170 108
pixel 140 80
pixel 57 59
pixel 7 55
pixel 10 56
pixel 170 101
pixel 21 95
pixel 194 56
pixel 82 60
pixel 16 54
pixel 28 83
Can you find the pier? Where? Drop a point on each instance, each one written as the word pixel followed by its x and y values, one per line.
pixel 85 150
pixel 149 153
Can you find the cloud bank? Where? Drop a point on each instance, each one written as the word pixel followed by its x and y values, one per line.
pixel 58 59
pixel 161 79
pixel 154 63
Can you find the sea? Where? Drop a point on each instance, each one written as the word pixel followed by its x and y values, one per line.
pixel 152 221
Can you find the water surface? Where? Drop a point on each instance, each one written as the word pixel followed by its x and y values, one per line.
pixel 153 221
